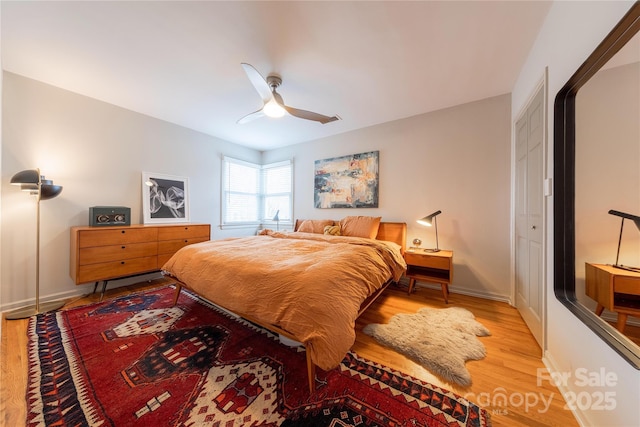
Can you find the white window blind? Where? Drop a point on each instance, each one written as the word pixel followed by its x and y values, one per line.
pixel 277 190
pixel 252 194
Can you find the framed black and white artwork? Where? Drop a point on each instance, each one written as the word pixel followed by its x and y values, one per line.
pixel 165 198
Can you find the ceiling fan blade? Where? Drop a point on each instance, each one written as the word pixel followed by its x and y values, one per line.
pixel 251 117
pixel 258 82
pixel 308 115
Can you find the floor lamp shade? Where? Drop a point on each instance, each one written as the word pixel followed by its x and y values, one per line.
pixel 428 221
pixel 30 180
pixel 29 176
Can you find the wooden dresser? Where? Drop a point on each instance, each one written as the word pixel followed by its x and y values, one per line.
pixel 107 253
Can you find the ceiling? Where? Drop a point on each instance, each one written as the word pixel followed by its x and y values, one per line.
pixel 368 62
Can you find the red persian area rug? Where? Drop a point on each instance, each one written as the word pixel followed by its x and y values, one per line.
pixel 139 361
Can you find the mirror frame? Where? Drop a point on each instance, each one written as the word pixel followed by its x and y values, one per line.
pixel 564 185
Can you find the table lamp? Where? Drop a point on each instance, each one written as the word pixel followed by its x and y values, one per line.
pixel 428 221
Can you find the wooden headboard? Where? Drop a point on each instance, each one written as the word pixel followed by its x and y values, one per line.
pixel 390 231
pixel 393 232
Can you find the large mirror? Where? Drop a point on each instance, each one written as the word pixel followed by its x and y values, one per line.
pixel 597 190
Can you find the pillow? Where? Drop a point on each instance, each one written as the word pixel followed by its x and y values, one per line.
pixel 314 225
pixel 360 226
pixel 332 230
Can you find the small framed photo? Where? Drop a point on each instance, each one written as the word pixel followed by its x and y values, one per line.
pixel 165 198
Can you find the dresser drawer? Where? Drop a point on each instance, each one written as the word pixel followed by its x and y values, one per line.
pixel 116 236
pixel 172 246
pixel 184 232
pixel 115 269
pixel 99 254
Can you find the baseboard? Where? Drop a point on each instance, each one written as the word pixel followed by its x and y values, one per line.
pixel 80 290
pixel 455 289
pixel 552 367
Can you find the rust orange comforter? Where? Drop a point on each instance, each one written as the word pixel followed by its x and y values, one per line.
pixel 310 285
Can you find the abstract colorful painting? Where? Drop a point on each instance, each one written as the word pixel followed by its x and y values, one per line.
pixel 347 182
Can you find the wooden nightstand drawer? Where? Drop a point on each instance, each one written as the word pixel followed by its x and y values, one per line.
pixel 427 260
pixel 626 285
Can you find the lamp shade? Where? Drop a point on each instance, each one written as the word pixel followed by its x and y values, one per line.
pixel 428 220
pixel 49 191
pixel 28 176
pixel 634 218
pixel 276 217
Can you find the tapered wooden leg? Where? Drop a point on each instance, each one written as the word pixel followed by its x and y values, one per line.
pixel 412 283
pixel 445 292
pixel 311 372
pixel 599 309
pixel 622 321
pixel 177 294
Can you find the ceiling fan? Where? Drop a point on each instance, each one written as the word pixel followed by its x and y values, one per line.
pixel 273 104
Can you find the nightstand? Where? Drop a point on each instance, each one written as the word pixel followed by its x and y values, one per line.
pixel 435 267
pixel 614 289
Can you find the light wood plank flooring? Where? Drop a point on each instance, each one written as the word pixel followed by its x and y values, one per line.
pixel 510 369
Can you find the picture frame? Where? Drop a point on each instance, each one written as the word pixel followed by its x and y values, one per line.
pixel 165 198
pixel 347 182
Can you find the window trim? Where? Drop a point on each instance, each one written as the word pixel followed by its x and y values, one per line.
pixel 262 220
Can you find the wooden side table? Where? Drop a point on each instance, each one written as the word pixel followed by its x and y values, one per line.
pixel 615 289
pixel 435 267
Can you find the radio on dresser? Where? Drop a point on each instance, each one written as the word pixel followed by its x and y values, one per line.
pixel 109 215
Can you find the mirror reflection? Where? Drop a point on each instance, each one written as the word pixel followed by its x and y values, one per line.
pixel 607 178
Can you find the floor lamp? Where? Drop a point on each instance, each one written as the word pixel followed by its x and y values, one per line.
pixel 428 221
pixel 30 180
pixel 276 218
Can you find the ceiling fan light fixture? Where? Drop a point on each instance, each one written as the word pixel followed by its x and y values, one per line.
pixel 273 109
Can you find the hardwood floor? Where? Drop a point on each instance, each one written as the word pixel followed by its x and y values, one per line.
pixel 510 370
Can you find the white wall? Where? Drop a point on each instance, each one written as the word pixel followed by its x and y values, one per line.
pixel 455 160
pixel 97 152
pixel 570 33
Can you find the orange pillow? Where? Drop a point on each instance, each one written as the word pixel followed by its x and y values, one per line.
pixel 314 225
pixel 360 226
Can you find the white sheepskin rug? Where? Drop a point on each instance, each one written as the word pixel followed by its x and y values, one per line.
pixel 441 340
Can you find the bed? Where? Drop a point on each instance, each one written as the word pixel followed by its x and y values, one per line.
pixel 305 285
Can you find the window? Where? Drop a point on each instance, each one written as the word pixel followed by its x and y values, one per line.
pixel 252 194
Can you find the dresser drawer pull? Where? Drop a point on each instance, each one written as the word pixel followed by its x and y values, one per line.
pixel 122 262
pixel 123 231
pixel 124 247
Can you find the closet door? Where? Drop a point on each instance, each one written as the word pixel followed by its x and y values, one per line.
pixel 529 253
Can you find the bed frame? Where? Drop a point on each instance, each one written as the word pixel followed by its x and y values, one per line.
pixel 389 231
